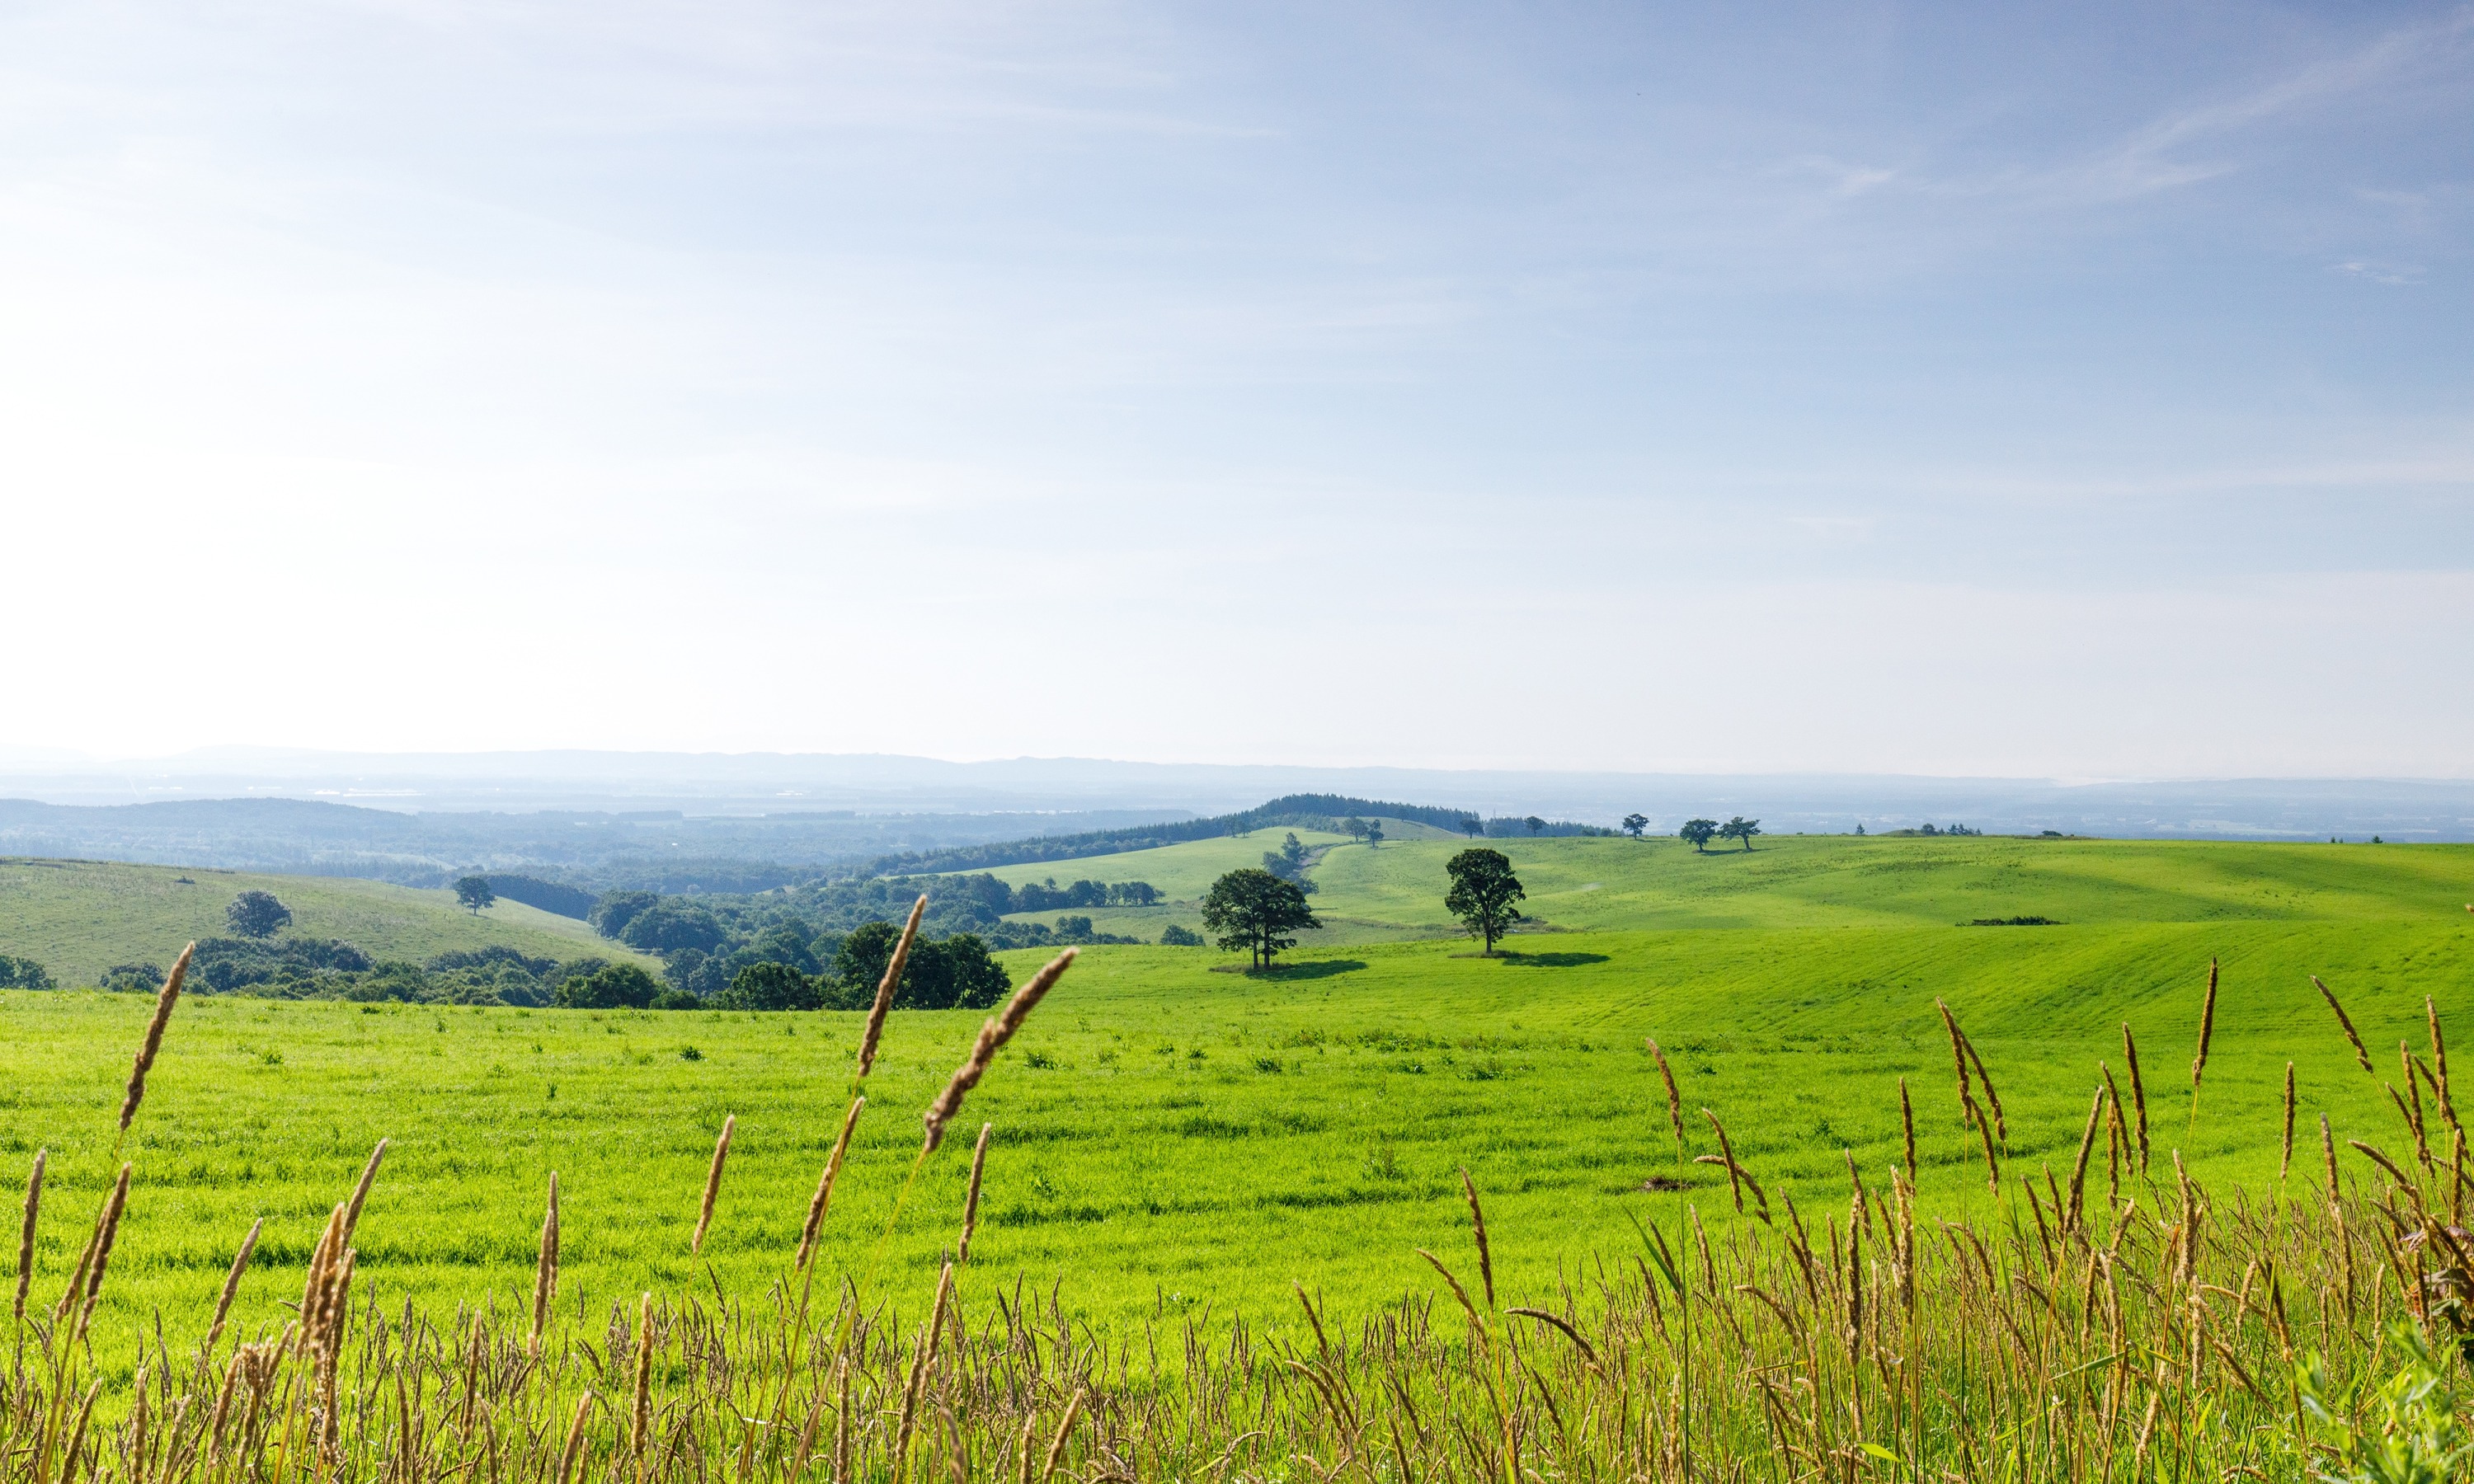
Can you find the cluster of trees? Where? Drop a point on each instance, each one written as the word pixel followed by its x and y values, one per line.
pixel 328 968
pixel 23 973
pixel 1698 833
pixel 1049 897
pixel 1290 861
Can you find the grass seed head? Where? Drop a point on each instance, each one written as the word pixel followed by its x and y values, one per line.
pixel 971 1202
pixel 1907 1127
pixel 884 989
pixel 993 1035
pixel 546 1275
pixel 713 1182
pixel 2345 1023
pixel 361 1191
pixel 2138 1091
pixel 165 1000
pixel 105 1232
pixel 2285 1160
pixel 2207 1027
pixel 26 1233
pixel 1477 1229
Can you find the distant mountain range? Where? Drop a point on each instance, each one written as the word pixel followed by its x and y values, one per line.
pixel 744 820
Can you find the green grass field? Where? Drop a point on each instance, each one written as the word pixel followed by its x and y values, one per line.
pixel 79 918
pixel 1174 1136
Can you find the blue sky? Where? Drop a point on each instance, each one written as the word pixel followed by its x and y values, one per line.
pixel 2077 392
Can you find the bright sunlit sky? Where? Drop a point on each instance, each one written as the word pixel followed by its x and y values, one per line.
pixel 2078 392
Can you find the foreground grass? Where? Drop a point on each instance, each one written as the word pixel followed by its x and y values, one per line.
pixel 79 918
pixel 1171 1139
pixel 2135 1322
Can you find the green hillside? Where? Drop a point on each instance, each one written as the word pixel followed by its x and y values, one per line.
pixel 79 918
pixel 1844 881
pixel 1394 890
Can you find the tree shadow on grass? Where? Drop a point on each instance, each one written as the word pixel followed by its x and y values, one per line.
pixel 1550 960
pixel 1311 969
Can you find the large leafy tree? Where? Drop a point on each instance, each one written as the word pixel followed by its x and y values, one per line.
pixel 955 974
pixel 613 986
pixel 1698 833
pixel 258 915
pixel 769 986
pixel 672 924
pixel 1254 910
pixel 1483 892
pixel 1740 829
pixel 472 893
pixel 1634 824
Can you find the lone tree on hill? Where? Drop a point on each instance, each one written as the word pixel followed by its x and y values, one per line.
pixel 1634 824
pixel 1740 829
pixel 1252 909
pixel 1535 823
pixel 1374 834
pixel 1472 827
pixel 1483 892
pixel 1699 833
pixel 258 915
pixel 472 893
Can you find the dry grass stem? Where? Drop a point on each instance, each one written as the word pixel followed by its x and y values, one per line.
pixel 823 1199
pixel 112 1210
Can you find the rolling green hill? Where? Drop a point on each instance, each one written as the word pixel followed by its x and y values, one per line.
pixel 1394 890
pixel 79 918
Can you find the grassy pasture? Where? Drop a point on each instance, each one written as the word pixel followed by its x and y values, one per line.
pixel 1175 1139
pixel 79 918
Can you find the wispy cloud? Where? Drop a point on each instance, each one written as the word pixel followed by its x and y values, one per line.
pixel 2394 274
